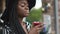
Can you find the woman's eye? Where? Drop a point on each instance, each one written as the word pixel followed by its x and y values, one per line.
pixel 22 5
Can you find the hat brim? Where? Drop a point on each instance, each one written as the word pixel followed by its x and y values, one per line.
pixel 31 3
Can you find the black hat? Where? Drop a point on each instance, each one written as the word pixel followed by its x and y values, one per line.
pixel 31 3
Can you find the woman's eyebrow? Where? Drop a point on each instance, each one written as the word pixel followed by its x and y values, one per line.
pixel 24 2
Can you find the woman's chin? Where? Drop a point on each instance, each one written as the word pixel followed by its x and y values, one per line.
pixel 26 15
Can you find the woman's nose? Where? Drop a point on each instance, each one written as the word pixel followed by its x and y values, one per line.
pixel 27 8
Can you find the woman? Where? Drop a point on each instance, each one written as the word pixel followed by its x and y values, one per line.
pixel 15 11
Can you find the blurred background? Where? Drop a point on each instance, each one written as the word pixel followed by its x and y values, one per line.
pixel 43 10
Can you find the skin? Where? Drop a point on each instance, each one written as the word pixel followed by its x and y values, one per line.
pixel 22 8
pixel 23 11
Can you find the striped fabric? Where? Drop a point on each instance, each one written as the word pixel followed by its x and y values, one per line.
pixel 7 30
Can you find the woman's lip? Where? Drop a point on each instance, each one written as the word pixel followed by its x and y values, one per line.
pixel 27 13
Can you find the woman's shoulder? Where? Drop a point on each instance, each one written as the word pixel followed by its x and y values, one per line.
pixel 5 28
pixel 1 23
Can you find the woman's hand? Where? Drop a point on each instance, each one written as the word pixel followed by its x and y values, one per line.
pixel 36 29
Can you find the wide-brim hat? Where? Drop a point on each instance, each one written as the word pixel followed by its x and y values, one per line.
pixel 31 3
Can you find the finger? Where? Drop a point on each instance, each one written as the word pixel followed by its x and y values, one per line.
pixel 41 28
pixel 39 31
pixel 40 25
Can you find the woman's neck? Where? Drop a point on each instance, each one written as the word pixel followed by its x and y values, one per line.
pixel 20 20
pixel 23 25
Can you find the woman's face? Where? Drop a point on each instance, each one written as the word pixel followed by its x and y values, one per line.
pixel 22 8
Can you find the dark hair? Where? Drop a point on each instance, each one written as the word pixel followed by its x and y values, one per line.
pixel 9 6
pixel 10 16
